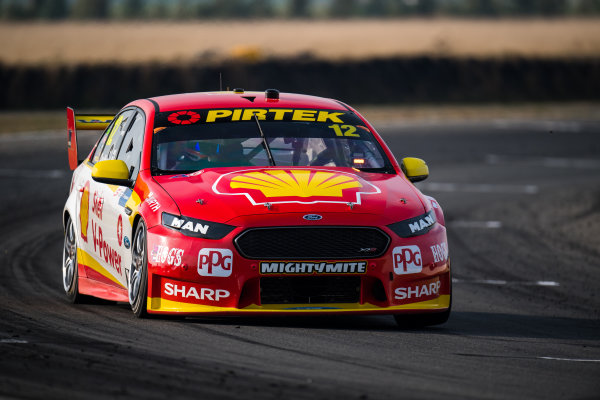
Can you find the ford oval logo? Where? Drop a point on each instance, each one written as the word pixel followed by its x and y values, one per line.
pixel 312 217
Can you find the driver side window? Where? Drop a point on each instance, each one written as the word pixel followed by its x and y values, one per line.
pixel 131 146
pixel 111 139
pixel 115 136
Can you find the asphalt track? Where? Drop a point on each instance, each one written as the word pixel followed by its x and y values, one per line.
pixel 522 201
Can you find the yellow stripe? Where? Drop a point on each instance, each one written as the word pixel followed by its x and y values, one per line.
pixel 92 122
pixel 89 261
pixel 115 128
pixel 158 304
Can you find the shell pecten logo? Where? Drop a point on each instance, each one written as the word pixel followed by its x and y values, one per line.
pixel 300 183
pixel 294 185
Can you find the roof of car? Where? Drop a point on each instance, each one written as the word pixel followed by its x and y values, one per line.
pixel 230 99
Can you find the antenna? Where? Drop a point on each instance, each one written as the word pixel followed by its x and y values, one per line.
pixel 220 82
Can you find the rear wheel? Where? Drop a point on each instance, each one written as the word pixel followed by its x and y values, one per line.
pixel 138 274
pixel 70 271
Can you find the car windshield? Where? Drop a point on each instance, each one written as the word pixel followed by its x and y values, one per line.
pixel 190 140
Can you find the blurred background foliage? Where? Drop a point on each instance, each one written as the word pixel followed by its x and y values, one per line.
pixel 249 9
pixel 443 75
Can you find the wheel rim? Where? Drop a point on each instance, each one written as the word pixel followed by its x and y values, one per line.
pixel 69 257
pixel 137 263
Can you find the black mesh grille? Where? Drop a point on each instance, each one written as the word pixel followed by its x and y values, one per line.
pixel 310 289
pixel 305 243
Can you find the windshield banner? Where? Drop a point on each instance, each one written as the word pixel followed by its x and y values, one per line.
pixel 189 117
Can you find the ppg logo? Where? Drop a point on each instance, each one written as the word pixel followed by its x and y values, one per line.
pixel 407 260
pixel 215 262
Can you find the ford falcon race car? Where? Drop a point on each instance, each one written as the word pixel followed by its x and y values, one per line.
pixel 251 203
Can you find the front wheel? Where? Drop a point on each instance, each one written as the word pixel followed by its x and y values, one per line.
pixel 421 320
pixel 138 274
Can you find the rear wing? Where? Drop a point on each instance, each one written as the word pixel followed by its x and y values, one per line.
pixel 83 122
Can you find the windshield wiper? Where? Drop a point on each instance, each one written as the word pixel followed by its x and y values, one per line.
pixel 157 171
pixel 264 140
pixel 382 170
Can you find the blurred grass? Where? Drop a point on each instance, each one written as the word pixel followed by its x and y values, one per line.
pixel 32 121
pixel 23 121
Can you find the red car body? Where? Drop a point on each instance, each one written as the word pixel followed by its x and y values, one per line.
pixel 251 239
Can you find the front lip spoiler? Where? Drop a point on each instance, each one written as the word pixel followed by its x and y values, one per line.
pixel 161 306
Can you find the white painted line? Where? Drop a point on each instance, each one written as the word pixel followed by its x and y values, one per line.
pixel 476 224
pixel 32 174
pixel 568 359
pixel 546 126
pixel 507 283
pixel 477 187
pixel 570 163
pixel 550 162
pixel 11 341
pixel 547 283
pixel 491 282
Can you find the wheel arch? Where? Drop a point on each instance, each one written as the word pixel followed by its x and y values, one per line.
pixel 139 309
pixel 136 220
pixel 66 216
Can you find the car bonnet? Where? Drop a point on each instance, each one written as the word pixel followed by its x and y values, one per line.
pixel 267 194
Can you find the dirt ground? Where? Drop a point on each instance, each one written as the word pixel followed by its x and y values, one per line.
pixel 92 42
pixel 378 115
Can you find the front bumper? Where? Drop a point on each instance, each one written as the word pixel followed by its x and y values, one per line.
pixel 194 276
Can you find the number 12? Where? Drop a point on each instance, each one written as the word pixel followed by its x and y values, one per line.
pixel 348 130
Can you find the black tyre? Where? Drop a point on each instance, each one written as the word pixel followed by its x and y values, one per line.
pixel 70 271
pixel 421 320
pixel 138 273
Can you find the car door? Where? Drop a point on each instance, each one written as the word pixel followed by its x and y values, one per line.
pixel 120 201
pixel 99 220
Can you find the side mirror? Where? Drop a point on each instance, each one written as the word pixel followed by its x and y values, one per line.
pixel 112 172
pixel 415 169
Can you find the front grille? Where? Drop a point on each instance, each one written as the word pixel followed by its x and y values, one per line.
pixel 312 243
pixel 310 289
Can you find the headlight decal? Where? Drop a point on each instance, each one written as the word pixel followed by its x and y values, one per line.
pixel 196 227
pixel 414 226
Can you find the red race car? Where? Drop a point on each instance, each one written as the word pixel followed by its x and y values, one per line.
pixel 251 203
